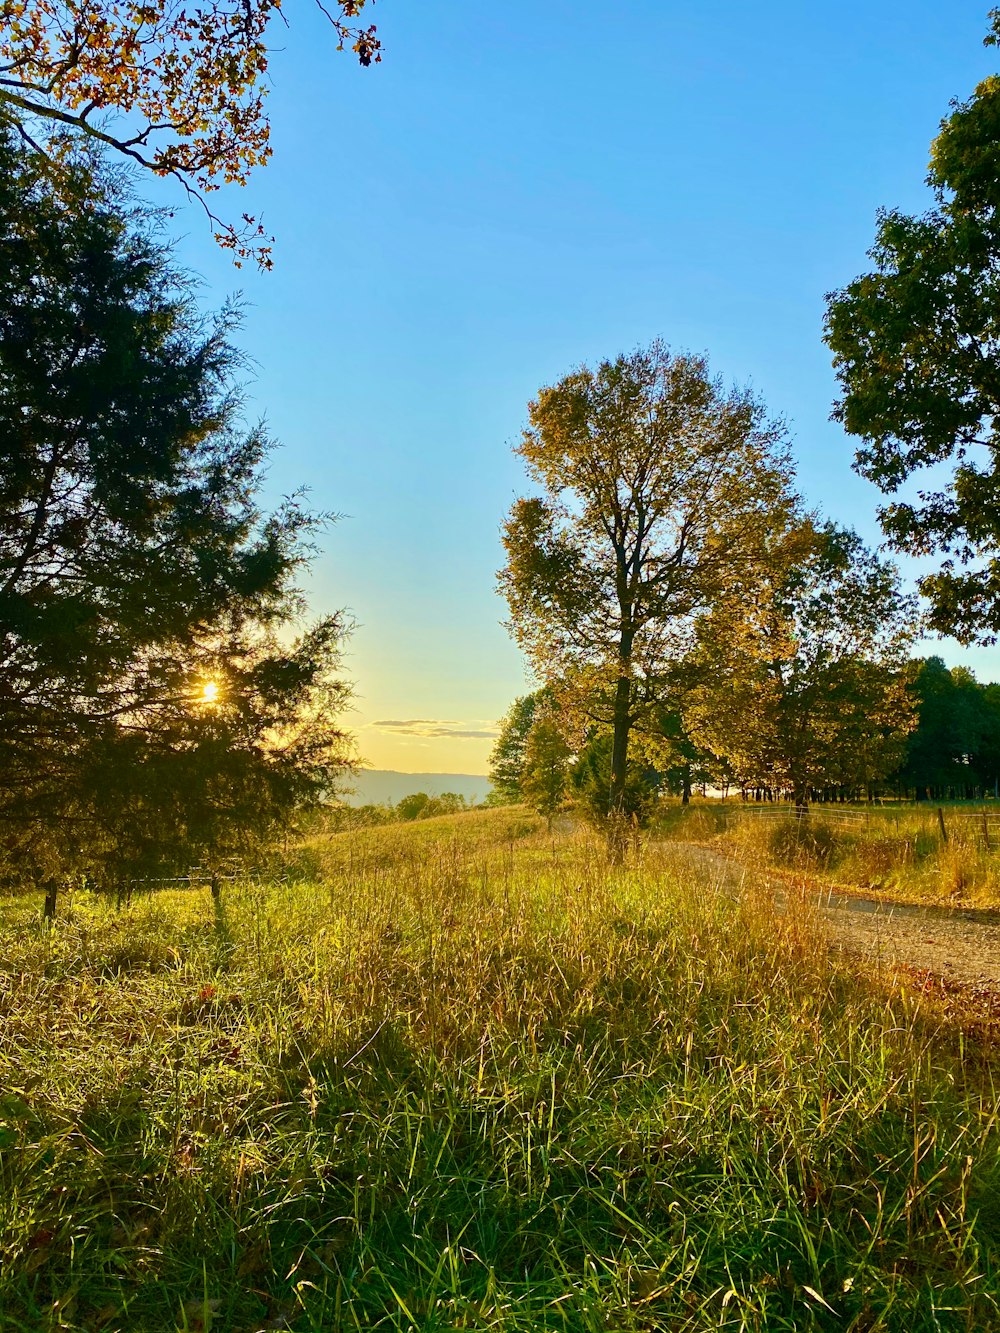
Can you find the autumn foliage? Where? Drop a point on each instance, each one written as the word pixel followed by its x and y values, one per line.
pixel 179 89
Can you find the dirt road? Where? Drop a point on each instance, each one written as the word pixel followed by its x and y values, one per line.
pixel 960 944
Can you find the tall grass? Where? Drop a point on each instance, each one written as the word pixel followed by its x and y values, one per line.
pixel 897 850
pixel 465 1076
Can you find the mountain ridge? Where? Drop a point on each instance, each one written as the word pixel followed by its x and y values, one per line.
pixel 382 786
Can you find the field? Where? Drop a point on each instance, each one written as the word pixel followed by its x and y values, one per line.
pixel 896 850
pixel 458 1074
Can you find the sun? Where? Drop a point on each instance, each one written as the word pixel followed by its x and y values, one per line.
pixel 209 692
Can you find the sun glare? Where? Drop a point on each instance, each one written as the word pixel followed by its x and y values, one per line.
pixel 209 692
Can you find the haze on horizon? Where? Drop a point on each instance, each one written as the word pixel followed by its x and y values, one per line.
pixel 509 194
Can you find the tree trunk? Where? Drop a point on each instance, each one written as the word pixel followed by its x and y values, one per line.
pixel 617 818
pixel 686 787
pixel 51 895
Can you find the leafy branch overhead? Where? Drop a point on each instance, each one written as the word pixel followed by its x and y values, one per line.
pixel 916 345
pixel 179 90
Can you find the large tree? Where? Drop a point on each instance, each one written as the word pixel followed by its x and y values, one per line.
pixel 802 686
pixel 179 90
pixel 136 567
pixel 657 487
pixel 916 346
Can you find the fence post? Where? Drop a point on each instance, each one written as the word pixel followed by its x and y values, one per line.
pixel 944 831
pixel 986 831
pixel 51 894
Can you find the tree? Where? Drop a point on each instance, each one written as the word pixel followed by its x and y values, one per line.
pixel 955 746
pixel 180 91
pixel 657 485
pixel 135 565
pixel 803 686
pixel 418 805
pixel 546 766
pixel 916 346
pixel 506 763
pixel 668 745
pixel 590 779
pixel 413 806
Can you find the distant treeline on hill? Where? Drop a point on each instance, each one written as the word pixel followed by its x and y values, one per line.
pixel 946 748
pixel 417 805
pixel 374 786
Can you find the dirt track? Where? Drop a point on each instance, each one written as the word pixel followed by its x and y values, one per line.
pixel 959 944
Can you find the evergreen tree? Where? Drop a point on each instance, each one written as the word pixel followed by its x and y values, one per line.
pixel 546 766
pixel 154 696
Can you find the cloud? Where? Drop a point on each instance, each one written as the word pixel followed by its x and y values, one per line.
pixel 427 727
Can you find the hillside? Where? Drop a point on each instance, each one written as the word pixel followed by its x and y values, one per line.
pixel 376 786
pixel 461 1073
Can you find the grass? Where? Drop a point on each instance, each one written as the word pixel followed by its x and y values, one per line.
pixel 460 1075
pixel 896 850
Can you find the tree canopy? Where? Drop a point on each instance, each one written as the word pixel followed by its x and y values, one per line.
pixel 916 346
pixel 179 91
pixel 954 749
pixel 657 485
pixel 136 566
pixel 803 685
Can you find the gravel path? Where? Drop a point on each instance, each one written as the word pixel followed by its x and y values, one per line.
pixel 960 944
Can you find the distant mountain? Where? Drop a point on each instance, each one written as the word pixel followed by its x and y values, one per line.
pixel 377 786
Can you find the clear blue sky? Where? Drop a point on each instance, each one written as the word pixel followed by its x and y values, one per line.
pixel 516 189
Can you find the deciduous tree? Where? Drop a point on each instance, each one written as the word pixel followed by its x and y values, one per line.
pixel 506 763
pixel 546 766
pixel 657 486
pixel 916 346
pixel 954 748
pixel 803 683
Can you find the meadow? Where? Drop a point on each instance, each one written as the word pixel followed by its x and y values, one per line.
pixel 899 850
pixel 461 1074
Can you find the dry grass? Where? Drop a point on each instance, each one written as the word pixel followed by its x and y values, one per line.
pixel 894 850
pixel 463 1076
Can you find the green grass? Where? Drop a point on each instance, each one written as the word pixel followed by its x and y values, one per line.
pixel 896 850
pixel 466 1077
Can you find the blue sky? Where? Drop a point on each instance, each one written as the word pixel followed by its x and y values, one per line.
pixel 517 189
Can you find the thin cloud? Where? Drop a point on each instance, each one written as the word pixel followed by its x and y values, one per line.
pixel 428 728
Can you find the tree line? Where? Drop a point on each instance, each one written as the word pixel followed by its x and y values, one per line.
pixel 339 817
pixel 948 749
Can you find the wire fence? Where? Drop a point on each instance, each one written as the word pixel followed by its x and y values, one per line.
pixel 946 824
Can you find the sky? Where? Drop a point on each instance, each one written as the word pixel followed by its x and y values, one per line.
pixel 514 190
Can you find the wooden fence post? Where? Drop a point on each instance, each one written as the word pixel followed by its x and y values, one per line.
pixel 51 895
pixel 944 831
